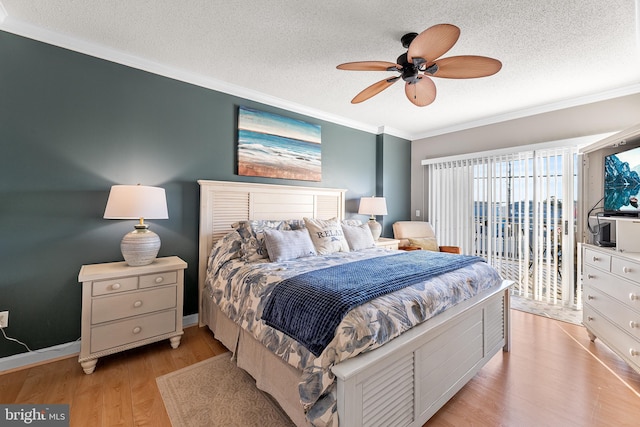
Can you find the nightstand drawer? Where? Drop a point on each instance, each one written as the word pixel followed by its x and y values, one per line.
pixel 122 284
pixel 165 278
pixel 132 330
pixel 132 304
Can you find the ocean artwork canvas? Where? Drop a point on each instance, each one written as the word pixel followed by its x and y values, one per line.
pixel 274 146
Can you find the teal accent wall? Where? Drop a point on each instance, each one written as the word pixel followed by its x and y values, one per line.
pixel 72 125
pixel 393 180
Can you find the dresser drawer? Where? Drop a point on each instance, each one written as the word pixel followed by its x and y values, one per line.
pixel 104 287
pixel 622 343
pixel 165 278
pixel 132 330
pixel 618 313
pixel 624 291
pixel 132 304
pixel 626 268
pixel 597 259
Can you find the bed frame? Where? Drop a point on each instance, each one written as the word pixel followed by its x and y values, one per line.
pixel 405 381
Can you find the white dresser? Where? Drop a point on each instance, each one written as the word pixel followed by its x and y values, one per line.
pixel 611 283
pixel 125 307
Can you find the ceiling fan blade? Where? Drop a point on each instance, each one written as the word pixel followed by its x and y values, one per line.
pixel 369 66
pixel 421 93
pixel 374 89
pixel 466 67
pixel 433 42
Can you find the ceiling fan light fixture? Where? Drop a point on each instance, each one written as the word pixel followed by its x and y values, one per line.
pixel 422 61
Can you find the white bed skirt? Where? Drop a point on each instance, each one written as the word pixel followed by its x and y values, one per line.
pixel 272 374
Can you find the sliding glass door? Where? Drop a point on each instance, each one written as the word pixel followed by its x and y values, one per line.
pixel 515 210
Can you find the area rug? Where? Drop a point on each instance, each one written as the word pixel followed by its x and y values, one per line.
pixel 215 392
pixel 551 311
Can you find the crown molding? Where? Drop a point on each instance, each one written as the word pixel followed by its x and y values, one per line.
pixel 23 29
pixel 120 57
pixel 541 109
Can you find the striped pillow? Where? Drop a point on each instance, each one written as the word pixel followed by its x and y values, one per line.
pixel 284 245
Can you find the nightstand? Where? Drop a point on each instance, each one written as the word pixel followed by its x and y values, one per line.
pixel 383 242
pixel 125 307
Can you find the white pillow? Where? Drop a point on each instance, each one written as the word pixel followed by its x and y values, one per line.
pixel 358 237
pixel 283 245
pixel 327 235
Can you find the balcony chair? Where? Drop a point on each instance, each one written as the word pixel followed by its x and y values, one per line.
pixel 415 235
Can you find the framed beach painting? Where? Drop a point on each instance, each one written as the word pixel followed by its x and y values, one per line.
pixel 274 146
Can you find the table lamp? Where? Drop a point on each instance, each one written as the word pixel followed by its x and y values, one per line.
pixel 140 246
pixel 373 206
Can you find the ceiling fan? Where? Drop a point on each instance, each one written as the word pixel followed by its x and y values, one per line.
pixel 421 62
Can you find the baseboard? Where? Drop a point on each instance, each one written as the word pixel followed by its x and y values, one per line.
pixel 60 351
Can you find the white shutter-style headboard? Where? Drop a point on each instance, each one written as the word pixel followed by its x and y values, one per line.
pixel 222 203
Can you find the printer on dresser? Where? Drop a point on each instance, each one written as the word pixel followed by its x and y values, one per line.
pixel 611 281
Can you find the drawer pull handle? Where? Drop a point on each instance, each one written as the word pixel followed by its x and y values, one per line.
pixel 633 296
pixel 137 304
pixel 590 276
pixel 596 259
pixel 626 270
pixel 159 279
pixel 590 319
pixel 137 330
pixel 633 324
pixel 634 352
pixel 590 297
pixel 115 286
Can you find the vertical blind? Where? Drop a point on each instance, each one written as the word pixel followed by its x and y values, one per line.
pixel 517 211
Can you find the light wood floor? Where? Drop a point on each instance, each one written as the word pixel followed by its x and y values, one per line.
pixel 554 376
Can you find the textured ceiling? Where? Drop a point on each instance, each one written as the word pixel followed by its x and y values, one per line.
pixel 555 52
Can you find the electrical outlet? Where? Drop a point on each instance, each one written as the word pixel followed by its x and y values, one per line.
pixel 4 319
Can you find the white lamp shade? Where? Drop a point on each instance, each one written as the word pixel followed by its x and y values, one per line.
pixel 372 206
pixel 141 246
pixel 136 201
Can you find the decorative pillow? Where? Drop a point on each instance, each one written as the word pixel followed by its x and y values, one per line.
pixel 351 222
pixel 283 245
pixel 426 243
pixel 252 233
pixel 358 237
pixel 225 249
pixel 327 235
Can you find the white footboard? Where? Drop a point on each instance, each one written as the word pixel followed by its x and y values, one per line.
pixel 408 379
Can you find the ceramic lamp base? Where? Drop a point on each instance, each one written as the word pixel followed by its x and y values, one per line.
pixel 376 228
pixel 140 247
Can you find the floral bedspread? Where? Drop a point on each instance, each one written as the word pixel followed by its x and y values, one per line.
pixel 239 288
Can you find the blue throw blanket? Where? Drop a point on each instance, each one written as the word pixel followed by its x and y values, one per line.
pixel 309 307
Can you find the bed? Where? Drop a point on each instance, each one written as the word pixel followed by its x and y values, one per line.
pixel 400 382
